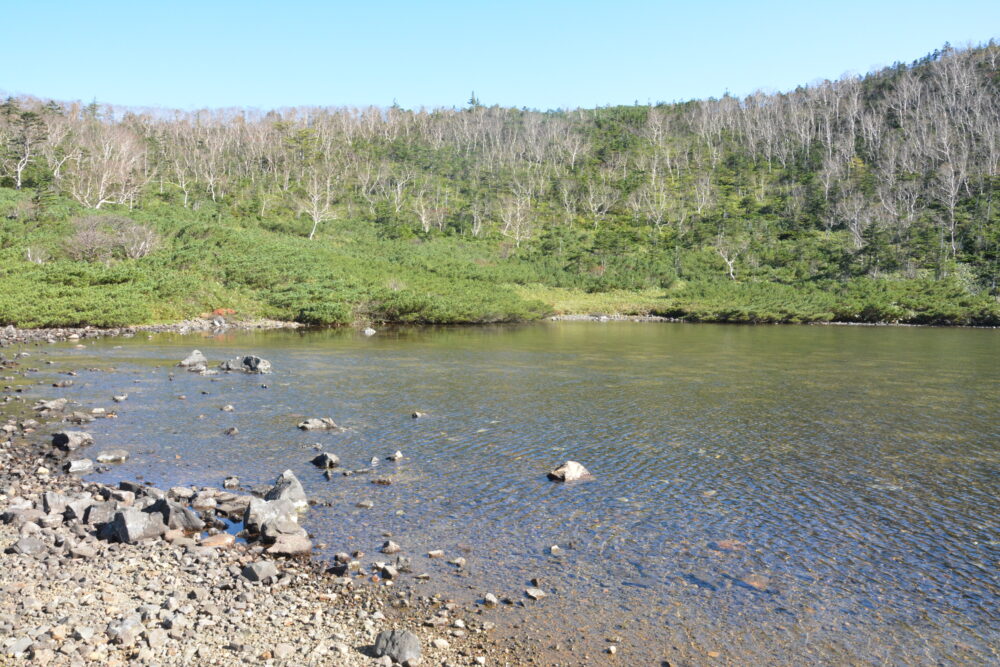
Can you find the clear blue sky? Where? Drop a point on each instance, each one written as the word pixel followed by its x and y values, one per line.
pixel 219 53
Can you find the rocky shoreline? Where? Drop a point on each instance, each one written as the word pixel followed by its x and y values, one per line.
pixel 11 335
pixel 130 574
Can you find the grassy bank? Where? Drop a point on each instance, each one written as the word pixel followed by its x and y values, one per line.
pixel 67 266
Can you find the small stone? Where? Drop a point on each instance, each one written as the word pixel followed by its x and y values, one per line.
pixel 283 651
pixel 219 540
pixel 231 483
pixel 112 456
pixel 440 643
pixel 534 593
pixel 490 600
pixel 436 553
pixel 569 472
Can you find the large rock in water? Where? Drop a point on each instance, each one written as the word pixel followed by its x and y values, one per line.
pixel 326 460
pixel 401 645
pixel 194 359
pixel 568 472
pixel 261 513
pixel 288 487
pixel 247 364
pixel 70 440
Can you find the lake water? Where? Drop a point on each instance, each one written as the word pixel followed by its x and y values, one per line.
pixel 761 495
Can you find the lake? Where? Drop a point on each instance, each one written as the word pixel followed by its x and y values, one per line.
pixel 761 495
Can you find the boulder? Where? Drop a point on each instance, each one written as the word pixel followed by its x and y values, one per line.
pixel 247 364
pixel 76 510
pixel 112 456
pixel 290 545
pixel 326 460
pixel 402 646
pixel 193 359
pixel 262 570
pixel 100 513
pixel 320 424
pixel 29 546
pixel 274 529
pixel 288 487
pixel 132 525
pixel 70 440
pixel 568 472
pixel 260 513
pixel 175 515
pixel 54 502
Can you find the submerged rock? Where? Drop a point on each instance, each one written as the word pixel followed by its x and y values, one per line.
pixel 196 358
pixel 568 472
pixel 322 423
pixel 113 456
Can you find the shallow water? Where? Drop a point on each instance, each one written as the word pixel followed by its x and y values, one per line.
pixel 772 494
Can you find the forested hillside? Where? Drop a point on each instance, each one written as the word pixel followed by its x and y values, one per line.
pixel 864 199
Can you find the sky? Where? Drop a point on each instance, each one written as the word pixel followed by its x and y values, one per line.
pixel 540 55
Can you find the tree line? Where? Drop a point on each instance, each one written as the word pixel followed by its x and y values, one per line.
pixel 891 173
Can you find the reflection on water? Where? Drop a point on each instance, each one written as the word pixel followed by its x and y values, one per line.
pixel 773 494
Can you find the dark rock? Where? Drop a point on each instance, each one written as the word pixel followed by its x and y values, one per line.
pixel 401 646
pixel 326 460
